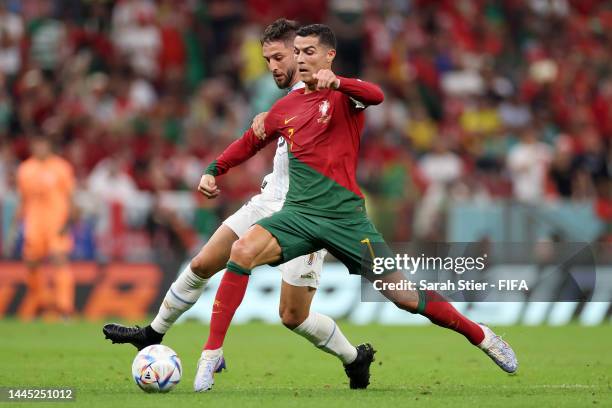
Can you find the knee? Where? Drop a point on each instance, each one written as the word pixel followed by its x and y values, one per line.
pixel 242 254
pixel 406 306
pixel 291 317
pixel 201 267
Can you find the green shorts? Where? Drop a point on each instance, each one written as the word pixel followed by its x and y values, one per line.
pixel 353 241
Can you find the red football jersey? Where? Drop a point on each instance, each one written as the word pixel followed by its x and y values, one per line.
pixel 322 130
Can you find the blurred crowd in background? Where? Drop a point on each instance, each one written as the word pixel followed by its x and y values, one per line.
pixel 485 99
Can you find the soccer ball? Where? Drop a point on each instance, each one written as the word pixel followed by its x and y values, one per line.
pixel 157 368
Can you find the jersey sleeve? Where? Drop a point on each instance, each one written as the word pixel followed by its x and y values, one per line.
pixel 237 153
pixel 271 123
pixel 362 93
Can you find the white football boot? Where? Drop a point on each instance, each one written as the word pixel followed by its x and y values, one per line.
pixel 210 362
pixel 498 350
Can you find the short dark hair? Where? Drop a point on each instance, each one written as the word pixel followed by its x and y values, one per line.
pixel 325 34
pixel 280 30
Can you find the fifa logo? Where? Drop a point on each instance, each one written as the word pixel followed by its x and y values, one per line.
pixel 323 109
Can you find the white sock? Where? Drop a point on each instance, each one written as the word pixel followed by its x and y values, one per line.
pixel 210 354
pixel 183 294
pixel 325 334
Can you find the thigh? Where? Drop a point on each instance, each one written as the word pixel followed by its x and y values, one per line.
pixel 257 247
pixel 295 234
pixel 36 242
pixel 215 253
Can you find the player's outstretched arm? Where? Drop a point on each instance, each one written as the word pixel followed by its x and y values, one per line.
pixel 241 150
pixel 237 153
pixel 362 91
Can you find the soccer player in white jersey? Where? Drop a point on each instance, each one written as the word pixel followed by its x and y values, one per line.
pixel 300 277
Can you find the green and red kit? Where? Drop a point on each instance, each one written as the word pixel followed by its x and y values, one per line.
pixel 324 207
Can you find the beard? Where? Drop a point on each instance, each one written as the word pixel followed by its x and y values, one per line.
pixel 284 82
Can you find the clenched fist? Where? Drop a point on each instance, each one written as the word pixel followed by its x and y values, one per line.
pixel 208 186
pixel 326 79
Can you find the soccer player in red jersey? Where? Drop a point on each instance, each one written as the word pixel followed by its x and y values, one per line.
pixel 300 276
pixel 324 207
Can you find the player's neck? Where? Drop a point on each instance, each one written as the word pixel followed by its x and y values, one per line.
pixel 309 88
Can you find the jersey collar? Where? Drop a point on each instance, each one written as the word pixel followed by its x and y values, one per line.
pixel 296 86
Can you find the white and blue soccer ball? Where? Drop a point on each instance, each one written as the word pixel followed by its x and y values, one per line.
pixel 157 368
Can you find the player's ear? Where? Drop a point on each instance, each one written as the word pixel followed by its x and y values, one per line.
pixel 331 54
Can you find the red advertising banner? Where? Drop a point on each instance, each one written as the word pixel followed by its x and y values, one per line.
pixel 117 289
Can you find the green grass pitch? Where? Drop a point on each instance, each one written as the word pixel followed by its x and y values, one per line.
pixel 269 366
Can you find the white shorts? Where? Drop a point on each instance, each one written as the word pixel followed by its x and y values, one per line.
pixel 301 271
